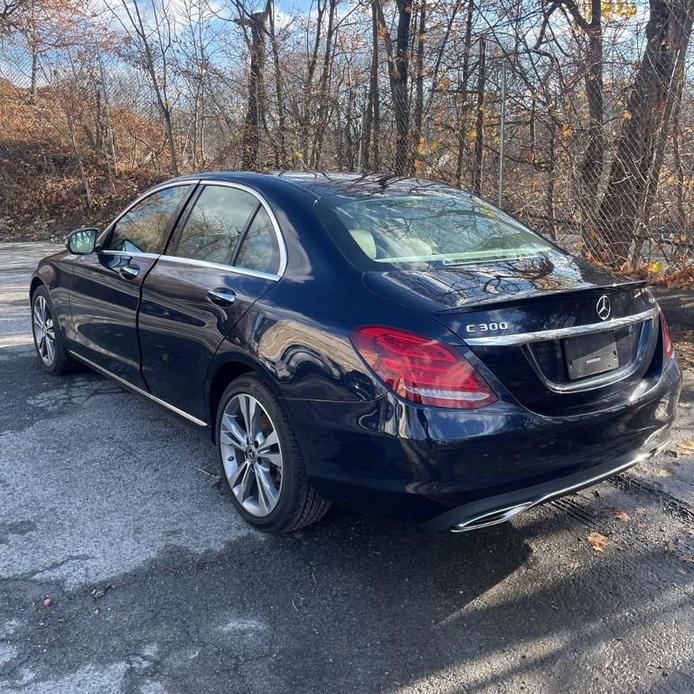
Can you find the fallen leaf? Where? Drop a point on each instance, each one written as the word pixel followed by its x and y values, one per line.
pixel 686 446
pixel 597 541
pixel 655 267
pixel 689 558
pixel 47 602
pixel 97 593
pixel 621 515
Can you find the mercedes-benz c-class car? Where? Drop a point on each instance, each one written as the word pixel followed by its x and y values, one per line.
pixel 394 346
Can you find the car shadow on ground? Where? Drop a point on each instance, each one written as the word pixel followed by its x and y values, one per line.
pixel 350 605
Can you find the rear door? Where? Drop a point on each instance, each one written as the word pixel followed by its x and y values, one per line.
pixel 105 286
pixel 226 253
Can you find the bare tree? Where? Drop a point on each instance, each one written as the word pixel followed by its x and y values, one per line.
pixel 647 114
pixel 153 41
pixel 479 120
pixel 398 72
pixel 597 118
pixel 255 21
pixel 372 119
pixel 418 111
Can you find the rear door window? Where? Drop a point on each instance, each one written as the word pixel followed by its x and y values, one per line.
pixel 215 224
pixel 145 227
pixel 259 249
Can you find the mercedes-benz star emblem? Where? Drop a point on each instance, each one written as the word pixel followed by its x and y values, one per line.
pixel 603 308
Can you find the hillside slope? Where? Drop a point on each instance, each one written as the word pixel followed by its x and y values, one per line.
pixel 42 194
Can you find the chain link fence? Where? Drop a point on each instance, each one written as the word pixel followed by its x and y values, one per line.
pixel 517 127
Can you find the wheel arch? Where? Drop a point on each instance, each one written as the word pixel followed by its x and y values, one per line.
pixel 222 374
pixel 36 282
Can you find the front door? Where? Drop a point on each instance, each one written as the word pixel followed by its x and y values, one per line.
pixel 106 284
pixel 224 256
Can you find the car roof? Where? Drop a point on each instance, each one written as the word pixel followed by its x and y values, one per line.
pixel 323 184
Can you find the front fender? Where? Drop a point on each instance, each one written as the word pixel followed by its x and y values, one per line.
pixel 55 273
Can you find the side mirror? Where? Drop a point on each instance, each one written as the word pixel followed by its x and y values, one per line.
pixel 81 241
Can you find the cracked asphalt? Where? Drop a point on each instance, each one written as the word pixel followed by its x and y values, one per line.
pixel 123 567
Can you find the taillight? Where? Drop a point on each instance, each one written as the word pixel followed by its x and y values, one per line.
pixel 421 369
pixel 668 349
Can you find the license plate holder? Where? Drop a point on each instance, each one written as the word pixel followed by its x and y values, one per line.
pixel 588 355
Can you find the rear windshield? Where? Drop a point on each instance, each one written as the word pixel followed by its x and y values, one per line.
pixel 434 228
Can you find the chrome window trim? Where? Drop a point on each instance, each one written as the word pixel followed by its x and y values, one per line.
pixel 559 333
pixel 162 186
pixel 121 380
pixel 273 276
pixel 134 254
pixel 219 266
pixel 236 268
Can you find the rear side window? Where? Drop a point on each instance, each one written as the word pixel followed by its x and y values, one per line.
pixel 215 224
pixel 259 250
pixel 145 227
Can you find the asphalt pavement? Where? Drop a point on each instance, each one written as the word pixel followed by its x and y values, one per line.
pixel 123 567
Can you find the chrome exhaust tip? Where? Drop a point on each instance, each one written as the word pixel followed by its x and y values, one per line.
pixel 491 518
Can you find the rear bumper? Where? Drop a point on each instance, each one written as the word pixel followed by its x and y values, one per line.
pixel 499 509
pixel 448 468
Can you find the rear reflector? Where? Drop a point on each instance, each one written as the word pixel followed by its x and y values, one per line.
pixel 421 369
pixel 668 349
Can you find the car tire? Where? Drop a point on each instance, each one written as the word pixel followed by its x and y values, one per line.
pixel 250 467
pixel 48 338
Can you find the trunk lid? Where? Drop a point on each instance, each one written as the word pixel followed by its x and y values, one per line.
pixel 560 335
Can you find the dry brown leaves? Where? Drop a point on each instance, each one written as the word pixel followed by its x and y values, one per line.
pixel 597 541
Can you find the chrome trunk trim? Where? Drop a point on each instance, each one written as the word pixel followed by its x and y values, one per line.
pixel 559 333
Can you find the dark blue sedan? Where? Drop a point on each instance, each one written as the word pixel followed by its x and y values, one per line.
pixel 395 346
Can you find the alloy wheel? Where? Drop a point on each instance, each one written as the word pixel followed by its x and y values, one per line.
pixel 251 454
pixel 44 330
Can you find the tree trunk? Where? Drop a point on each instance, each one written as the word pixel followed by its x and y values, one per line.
pixel 479 125
pixel 159 93
pixel 648 110
pixel 256 92
pixel 680 211
pixel 308 89
pixel 323 85
pixel 419 88
pixel 34 71
pixel 281 158
pixel 374 95
pixel 399 73
pixel 372 115
pixel 551 179
pixel 465 108
pixel 672 106
pixel 594 154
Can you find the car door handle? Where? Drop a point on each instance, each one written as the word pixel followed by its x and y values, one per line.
pixel 222 297
pixel 128 272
